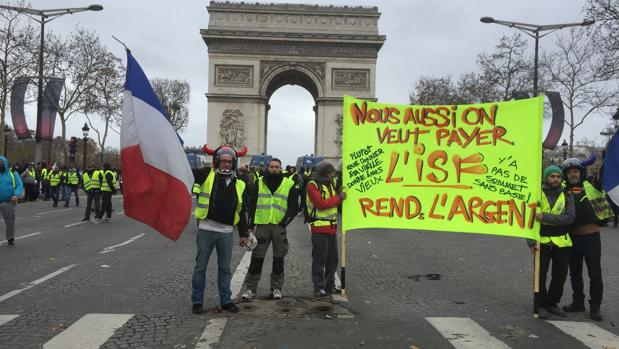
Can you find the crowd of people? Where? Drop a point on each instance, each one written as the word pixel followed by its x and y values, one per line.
pixel 261 203
pixel 23 183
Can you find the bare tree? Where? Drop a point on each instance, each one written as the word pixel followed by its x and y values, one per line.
pixel 16 39
pixel 507 69
pixel 105 98
pixel 174 96
pixel 574 71
pixel 78 59
pixel 606 33
pixel 434 91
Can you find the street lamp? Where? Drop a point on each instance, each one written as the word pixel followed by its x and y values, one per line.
pixel 616 119
pixel 534 30
pixel 46 15
pixel 564 146
pixel 7 132
pixel 85 130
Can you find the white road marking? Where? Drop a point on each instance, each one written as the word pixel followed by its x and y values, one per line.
pixel 111 248
pixel 239 274
pixel 35 282
pixel 74 224
pixel 211 333
pixel 90 331
pixel 6 318
pixel 464 333
pixel 21 237
pixel 46 212
pixel 589 334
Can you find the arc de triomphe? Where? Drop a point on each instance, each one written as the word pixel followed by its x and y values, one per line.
pixel 254 49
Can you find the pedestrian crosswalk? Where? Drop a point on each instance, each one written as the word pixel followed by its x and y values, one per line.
pixel 94 330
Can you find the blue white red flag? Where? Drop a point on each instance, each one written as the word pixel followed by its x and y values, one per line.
pixel 157 179
pixel 610 176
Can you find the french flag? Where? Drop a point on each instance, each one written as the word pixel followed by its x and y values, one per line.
pixel 157 179
pixel 610 176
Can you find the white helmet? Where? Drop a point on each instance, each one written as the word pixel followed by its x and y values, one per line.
pixel 252 242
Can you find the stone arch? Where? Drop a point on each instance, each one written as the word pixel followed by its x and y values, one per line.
pixel 255 48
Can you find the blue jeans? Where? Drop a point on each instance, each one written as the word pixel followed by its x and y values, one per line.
pixel 68 189
pixel 207 240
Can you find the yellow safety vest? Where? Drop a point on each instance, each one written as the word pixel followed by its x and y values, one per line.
pixel 322 217
pixel 95 180
pixel 271 208
pixel 557 209
pixel 54 178
pixel 598 201
pixel 104 185
pixel 72 178
pixel 43 173
pixel 32 173
pixel 204 198
pixel 196 188
pixel 87 183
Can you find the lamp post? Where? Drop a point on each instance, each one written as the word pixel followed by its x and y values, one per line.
pixel 534 30
pixel 45 16
pixel 85 130
pixel 616 119
pixel 7 132
pixel 564 146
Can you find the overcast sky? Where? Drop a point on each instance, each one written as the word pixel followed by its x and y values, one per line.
pixel 424 38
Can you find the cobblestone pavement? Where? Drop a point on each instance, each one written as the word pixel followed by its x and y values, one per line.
pixel 55 280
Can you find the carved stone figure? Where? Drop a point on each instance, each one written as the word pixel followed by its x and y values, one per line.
pixel 231 129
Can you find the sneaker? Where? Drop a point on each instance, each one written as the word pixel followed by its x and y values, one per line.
pixel 320 293
pixel 55 205
pixel 334 290
pixel 542 313
pixel 96 221
pixel 197 309
pixel 107 220
pixel 276 294
pixel 247 295
pixel 573 308
pixel 11 241
pixel 556 311
pixel 231 307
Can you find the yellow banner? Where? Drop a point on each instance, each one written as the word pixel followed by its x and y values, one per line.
pixel 460 168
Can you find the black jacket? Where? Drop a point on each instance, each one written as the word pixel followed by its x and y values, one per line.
pixel 223 201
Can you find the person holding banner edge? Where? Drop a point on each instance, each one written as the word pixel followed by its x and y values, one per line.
pixel 592 211
pixel 557 214
pixel 321 206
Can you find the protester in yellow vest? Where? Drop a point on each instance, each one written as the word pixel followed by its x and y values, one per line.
pixel 91 182
pixel 71 182
pixel 271 206
pixel 321 212
pixel 108 188
pixel 54 178
pixel 221 206
pixel 592 211
pixel 556 216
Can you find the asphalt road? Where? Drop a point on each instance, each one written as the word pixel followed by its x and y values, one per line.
pixel 122 285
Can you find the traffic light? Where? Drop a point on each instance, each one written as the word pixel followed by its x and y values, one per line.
pixel 72 145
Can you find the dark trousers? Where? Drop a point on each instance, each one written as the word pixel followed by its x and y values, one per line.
pixel 587 248
pixel 92 195
pixel 106 205
pixel 31 191
pixel 55 192
pixel 559 256
pixel 46 190
pixel 324 261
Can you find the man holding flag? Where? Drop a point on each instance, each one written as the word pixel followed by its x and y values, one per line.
pixel 221 206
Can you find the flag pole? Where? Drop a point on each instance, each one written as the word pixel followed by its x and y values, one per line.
pixel 536 266
pixel 343 272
